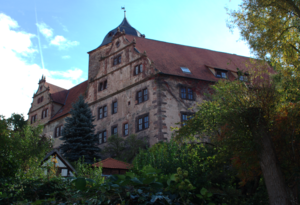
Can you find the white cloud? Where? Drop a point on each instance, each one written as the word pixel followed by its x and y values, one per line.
pixel 72 74
pixel 66 57
pixel 63 43
pixel 19 77
pixel 45 30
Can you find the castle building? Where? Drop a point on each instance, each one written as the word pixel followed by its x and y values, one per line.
pixel 136 86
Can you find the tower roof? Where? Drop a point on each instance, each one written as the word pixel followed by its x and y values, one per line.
pixel 123 26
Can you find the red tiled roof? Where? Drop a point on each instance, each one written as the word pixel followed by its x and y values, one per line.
pixel 72 97
pixel 113 164
pixel 53 88
pixel 169 57
pixel 60 97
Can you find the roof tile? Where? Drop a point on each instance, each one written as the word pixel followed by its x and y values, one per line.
pixel 113 164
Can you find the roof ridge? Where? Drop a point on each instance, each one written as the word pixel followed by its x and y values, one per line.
pixel 55 85
pixel 115 160
pixel 191 46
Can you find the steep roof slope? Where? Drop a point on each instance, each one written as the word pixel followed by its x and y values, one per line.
pixel 169 57
pixel 72 97
pixel 58 94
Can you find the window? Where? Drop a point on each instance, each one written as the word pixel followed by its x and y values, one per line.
pixel 33 119
pixel 117 60
pixel 186 93
pixel 118 44
pixel 185 70
pixel 102 112
pixel 143 122
pixel 102 86
pixel 138 69
pixel 105 85
pixel 58 131
pixel 102 137
pixel 186 117
pixel 41 88
pixel 114 130
pixel 44 113
pixel 40 99
pixel 125 129
pixel 243 78
pixel 221 73
pixel 142 96
pixel 114 108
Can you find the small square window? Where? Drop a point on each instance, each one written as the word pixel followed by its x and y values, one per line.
pixel 185 70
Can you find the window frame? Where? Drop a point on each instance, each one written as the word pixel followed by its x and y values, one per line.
pixel 102 108
pixel 117 60
pixel 124 129
pixel 33 119
pixel 185 70
pixel 142 117
pixel 187 114
pixel 102 85
pixel 44 113
pixel 144 97
pixel 102 135
pixel 187 94
pixel 112 130
pixel 137 69
pixel 113 108
pixel 221 73
pixel 59 128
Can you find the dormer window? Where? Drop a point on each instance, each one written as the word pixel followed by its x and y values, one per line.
pixel 185 70
pixel 243 78
pixel 117 60
pixel 221 73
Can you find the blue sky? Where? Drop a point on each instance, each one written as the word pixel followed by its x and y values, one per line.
pixel 67 30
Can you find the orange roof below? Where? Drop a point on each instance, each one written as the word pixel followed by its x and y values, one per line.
pixel 113 164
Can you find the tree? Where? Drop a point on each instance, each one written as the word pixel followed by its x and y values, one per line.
pixel 78 134
pixel 22 147
pixel 124 149
pixel 244 121
pixel 271 27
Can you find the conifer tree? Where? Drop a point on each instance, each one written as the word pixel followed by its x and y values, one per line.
pixel 78 134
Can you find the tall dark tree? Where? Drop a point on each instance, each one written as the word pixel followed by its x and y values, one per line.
pixel 78 134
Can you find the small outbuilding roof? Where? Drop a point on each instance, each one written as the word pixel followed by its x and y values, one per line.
pixel 55 151
pixel 111 163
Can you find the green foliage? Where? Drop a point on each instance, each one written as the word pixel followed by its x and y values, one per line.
pixel 21 147
pixel 78 134
pixel 124 149
pixel 85 170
